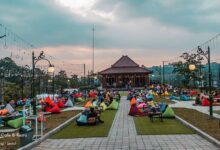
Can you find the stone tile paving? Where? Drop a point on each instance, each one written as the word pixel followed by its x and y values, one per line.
pixel 189 104
pixel 123 136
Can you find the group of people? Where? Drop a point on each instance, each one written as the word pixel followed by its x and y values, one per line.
pixel 100 101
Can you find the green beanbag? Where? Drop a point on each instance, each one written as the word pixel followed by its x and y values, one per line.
pixel 79 99
pixel 16 123
pixel 169 113
pixel 113 105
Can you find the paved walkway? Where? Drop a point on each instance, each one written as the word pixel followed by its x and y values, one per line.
pixel 123 136
pixel 189 104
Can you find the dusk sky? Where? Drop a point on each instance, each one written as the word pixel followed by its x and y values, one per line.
pixel 148 31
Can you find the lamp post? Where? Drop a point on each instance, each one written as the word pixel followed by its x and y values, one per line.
pixel 50 70
pixel 206 54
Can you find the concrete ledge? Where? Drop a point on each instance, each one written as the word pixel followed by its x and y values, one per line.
pixel 47 135
pixel 200 132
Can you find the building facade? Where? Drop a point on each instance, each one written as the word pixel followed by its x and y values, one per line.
pixel 125 73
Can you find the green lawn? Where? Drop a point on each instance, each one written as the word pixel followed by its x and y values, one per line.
pixel 217 111
pixel 100 130
pixel 169 126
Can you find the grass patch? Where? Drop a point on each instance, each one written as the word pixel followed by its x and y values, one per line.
pixel 100 130
pixel 217 111
pixel 56 119
pixel 169 126
pixel 163 99
pixel 200 120
pixel 123 93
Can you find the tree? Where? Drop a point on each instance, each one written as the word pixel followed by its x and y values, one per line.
pixel 182 68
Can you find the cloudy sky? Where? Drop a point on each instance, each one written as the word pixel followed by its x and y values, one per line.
pixel 149 31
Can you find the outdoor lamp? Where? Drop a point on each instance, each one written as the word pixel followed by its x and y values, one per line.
pixel 192 67
pixel 51 69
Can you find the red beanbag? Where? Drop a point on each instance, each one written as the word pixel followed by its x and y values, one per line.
pixel 193 93
pixel 47 109
pixel 205 102
pixel 60 104
pixel 48 101
pixel 55 109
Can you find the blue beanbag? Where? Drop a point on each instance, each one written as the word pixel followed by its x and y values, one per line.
pixel 82 119
pixel 162 107
pixel 184 98
pixel 150 97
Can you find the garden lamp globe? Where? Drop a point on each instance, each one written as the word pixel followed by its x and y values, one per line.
pixel 192 67
pixel 51 69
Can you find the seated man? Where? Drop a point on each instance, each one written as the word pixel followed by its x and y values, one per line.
pixel 93 117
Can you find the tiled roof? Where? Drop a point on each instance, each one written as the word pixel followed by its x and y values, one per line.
pixel 124 65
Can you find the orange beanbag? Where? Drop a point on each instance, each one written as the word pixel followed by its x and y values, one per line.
pixel 89 103
pixel 3 112
pixel 133 101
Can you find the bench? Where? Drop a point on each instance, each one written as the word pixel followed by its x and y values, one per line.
pixel 157 114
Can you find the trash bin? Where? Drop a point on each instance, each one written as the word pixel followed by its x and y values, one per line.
pixel 26 135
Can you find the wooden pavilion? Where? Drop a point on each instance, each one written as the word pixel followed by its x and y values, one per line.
pixel 125 73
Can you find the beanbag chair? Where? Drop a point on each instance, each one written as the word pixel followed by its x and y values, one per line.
pixel 165 93
pixel 103 105
pixel 95 103
pixel 192 93
pixel 16 123
pixel 205 102
pixel 55 109
pixel 152 103
pixel 92 94
pixel 82 119
pixel 133 101
pixel 169 113
pixel 134 111
pixel 48 101
pixel 154 93
pixel 150 97
pixel 138 101
pixel 69 103
pixel 9 108
pixel 162 107
pixel 79 99
pixel 60 104
pixel 47 109
pixel 3 112
pixel 173 97
pixel 184 98
pixel 89 103
pixel 114 105
pixel 141 105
